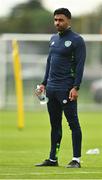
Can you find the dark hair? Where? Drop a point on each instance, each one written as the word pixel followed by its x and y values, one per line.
pixel 64 11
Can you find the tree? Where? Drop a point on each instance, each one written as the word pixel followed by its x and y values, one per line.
pixel 27 17
pixel 31 17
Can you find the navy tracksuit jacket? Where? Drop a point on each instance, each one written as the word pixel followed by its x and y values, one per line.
pixel 64 70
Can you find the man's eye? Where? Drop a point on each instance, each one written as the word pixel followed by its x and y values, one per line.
pixel 61 20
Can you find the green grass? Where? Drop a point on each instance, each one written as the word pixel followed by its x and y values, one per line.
pixel 21 149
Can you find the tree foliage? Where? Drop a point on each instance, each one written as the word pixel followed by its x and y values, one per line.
pixel 31 17
pixel 28 17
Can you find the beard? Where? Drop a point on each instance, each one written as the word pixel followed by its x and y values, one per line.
pixel 60 28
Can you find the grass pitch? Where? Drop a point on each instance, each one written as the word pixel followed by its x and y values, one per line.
pixel 21 149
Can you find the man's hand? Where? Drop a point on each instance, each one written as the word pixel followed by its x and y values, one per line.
pixel 40 90
pixel 73 94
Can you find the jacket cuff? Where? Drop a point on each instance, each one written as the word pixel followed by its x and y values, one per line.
pixel 44 83
pixel 76 87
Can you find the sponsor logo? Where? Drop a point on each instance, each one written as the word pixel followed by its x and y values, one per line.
pixel 67 43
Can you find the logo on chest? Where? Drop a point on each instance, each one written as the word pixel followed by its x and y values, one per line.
pixel 52 43
pixel 67 43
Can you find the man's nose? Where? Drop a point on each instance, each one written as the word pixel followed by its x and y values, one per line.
pixel 57 23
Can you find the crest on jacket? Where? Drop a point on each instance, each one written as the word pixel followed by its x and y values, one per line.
pixel 67 43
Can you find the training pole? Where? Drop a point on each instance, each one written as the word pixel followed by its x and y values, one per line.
pixel 18 83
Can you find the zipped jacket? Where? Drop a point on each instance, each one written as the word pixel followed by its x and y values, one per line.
pixel 65 62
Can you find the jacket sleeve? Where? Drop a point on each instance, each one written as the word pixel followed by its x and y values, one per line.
pixel 80 55
pixel 46 71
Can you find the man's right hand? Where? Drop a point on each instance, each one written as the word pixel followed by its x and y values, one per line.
pixel 40 90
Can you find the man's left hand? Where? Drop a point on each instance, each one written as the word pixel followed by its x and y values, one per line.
pixel 73 94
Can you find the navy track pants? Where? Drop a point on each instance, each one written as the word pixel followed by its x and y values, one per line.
pixel 57 104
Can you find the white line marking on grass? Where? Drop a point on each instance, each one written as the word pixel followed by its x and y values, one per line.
pixel 54 179
pixel 49 173
pixel 64 173
pixel 3 152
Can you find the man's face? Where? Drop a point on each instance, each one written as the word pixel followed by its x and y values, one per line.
pixel 61 22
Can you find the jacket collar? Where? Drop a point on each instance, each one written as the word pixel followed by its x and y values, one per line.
pixel 64 32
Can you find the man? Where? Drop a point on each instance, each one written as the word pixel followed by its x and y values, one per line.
pixel 62 80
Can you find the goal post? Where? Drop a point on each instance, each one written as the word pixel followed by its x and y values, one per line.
pixel 33 51
pixel 2 74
